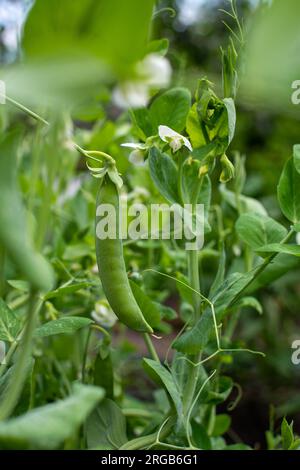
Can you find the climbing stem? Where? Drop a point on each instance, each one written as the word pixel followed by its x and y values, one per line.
pixel 18 376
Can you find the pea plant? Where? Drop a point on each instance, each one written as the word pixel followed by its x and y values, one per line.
pixel 77 307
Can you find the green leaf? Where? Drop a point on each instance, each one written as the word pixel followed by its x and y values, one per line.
pixel 148 308
pixel 296 156
pixel 76 251
pixel 293 250
pixel 194 129
pixel 164 379
pixel 166 312
pixel 278 268
pixel 221 425
pixel 200 436
pixel 106 427
pixel 66 62
pixel 65 290
pixel 249 302
pixel 20 285
pixel 287 434
pixel 10 323
pixel 248 204
pixel 164 174
pixel 183 288
pixel 49 426
pixel 231 113
pixel 64 325
pixel 141 120
pixel 171 109
pixel 158 46
pixel 93 29
pixel 219 279
pixel 288 192
pixel 221 393
pixel 195 339
pixel 257 230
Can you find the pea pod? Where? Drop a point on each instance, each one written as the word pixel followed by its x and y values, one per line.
pixel 112 269
pixel 13 234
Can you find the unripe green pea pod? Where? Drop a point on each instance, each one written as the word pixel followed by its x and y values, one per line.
pixel 13 234
pixel 112 269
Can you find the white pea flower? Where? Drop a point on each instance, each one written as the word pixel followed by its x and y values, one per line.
pixel 2 352
pixel 131 95
pixel 174 139
pixel 103 314
pixel 154 71
pixel 137 156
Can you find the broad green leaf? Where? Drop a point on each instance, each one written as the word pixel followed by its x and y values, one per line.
pixel 164 174
pixel 248 204
pixel 49 426
pixel 141 119
pixel 257 230
pixel 296 156
pixel 230 107
pixel 200 436
pixel 171 109
pixel 288 192
pixel 163 378
pixel 148 308
pixel 65 290
pixel 106 427
pixel 287 434
pixel 67 61
pixel 94 28
pixel 64 325
pixel 293 250
pixel 10 323
pixel 221 425
pixel 275 270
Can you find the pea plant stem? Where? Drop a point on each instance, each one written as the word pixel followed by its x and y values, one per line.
pixel 193 271
pixel 151 347
pixel 26 110
pixel 8 356
pixel 152 439
pixel 19 373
